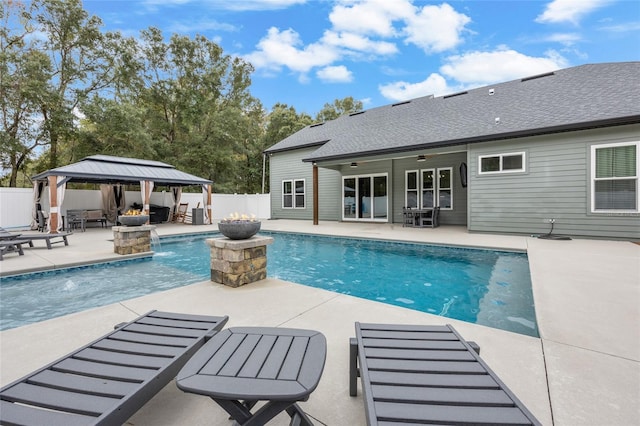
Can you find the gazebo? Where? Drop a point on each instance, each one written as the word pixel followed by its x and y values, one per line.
pixel 112 172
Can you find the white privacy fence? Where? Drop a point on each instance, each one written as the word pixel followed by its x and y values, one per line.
pixel 16 204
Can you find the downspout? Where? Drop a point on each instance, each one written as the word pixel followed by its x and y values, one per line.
pixel 315 194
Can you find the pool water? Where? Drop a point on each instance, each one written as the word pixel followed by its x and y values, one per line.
pixel 487 287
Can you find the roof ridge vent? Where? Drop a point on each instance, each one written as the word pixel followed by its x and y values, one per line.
pixel 455 94
pixel 533 77
pixel 356 113
pixel 401 103
pixel 316 125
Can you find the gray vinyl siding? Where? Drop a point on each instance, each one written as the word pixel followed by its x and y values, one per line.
pixel 555 185
pixel 288 165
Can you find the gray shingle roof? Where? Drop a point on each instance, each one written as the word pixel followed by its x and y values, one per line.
pixel 108 169
pixel 575 98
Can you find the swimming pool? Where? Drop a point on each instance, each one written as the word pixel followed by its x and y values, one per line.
pixel 487 287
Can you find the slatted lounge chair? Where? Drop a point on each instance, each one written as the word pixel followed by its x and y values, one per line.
pixel 415 374
pixel 49 239
pixel 12 246
pixel 107 381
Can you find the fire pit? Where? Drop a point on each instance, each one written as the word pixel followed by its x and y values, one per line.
pixel 133 218
pixel 239 227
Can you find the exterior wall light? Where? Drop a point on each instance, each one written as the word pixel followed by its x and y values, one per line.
pixel 422 158
pixel 354 165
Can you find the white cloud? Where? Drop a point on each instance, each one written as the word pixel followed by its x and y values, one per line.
pixel 371 17
pixel 435 85
pixel 478 68
pixel 567 39
pixel 280 48
pixel 336 74
pixel 475 69
pixel 201 26
pixel 358 43
pixel 436 28
pixel 365 30
pixel 622 28
pixel 571 11
pixel 236 5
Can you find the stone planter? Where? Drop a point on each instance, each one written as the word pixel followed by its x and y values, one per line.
pixel 133 220
pixel 239 230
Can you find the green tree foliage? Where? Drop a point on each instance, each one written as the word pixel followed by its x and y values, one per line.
pixel 24 84
pixel 339 107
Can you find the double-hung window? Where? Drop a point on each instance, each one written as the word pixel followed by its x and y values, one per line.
pixel 614 177
pixel 293 194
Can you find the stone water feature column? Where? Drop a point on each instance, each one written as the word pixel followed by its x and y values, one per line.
pixel 238 262
pixel 132 239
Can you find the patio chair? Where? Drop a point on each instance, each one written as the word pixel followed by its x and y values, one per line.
pixel 107 381
pixel 416 374
pixel 181 213
pixel 42 221
pixel 430 219
pixel 408 217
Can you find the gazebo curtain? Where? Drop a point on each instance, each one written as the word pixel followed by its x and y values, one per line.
pixel 38 187
pixel 113 201
pixel 146 188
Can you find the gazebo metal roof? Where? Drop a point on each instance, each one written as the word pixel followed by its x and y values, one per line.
pixel 110 169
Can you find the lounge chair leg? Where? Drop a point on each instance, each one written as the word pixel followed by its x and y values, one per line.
pixel 353 366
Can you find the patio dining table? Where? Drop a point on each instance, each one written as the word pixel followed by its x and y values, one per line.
pixel 241 366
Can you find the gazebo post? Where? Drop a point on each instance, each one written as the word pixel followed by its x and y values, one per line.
pixel 53 204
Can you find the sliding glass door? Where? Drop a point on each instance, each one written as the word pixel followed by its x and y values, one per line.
pixel 365 198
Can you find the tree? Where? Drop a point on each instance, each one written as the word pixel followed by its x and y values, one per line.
pixel 339 107
pixel 24 76
pixel 82 65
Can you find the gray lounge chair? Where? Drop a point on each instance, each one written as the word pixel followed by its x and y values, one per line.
pixel 415 374
pixel 107 381
pixel 49 239
pixel 13 245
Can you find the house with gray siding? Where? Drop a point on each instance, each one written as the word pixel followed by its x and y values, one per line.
pixel 513 157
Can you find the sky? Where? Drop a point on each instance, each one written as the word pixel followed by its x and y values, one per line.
pixel 307 53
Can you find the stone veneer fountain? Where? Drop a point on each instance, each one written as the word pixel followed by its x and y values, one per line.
pixel 132 239
pixel 238 262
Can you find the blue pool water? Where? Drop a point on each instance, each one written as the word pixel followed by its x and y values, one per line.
pixel 491 288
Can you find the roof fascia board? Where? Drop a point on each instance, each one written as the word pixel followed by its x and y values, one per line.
pixel 292 148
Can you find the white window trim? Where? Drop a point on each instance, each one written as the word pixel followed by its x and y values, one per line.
pixel 501 156
pixel 438 189
pixel 357 195
pixel 434 189
pixel 417 189
pixel 436 185
pixel 293 193
pixel 593 178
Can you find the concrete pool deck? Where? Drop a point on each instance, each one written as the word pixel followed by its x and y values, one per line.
pixel 584 369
